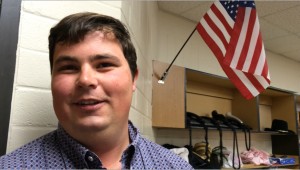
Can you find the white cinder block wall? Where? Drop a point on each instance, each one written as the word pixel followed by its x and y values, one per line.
pixel 156 35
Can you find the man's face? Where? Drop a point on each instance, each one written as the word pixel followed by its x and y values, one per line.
pixel 91 84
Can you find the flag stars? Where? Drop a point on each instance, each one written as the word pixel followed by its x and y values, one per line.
pixel 232 6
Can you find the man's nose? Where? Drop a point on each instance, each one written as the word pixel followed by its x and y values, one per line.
pixel 87 78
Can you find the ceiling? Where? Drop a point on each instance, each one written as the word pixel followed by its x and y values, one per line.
pixel 279 22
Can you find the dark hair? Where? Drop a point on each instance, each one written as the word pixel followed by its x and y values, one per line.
pixel 73 28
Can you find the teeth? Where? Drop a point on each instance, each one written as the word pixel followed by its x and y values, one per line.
pixel 87 102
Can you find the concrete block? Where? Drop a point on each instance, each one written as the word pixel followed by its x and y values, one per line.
pixel 32 107
pixel 34 31
pixel 137 119
pixel 141 102
pixel 60 9
pixel 148 130
pixel 34 69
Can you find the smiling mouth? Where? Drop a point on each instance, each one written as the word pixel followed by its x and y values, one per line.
pixel 89 105
pixel 87 102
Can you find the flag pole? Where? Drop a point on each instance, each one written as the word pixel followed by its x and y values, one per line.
pixel 164 76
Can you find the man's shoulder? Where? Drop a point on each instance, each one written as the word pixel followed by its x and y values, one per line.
pixel 29 153
pixel 162 156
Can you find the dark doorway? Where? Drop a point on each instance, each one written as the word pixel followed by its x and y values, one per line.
pixel 9 27
pixel 0 6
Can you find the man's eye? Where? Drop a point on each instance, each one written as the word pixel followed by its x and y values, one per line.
pixel 104 65
pixel 68 68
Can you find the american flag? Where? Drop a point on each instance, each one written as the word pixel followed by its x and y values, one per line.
pixel 231 30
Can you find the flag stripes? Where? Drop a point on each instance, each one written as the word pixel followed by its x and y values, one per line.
pixel 231 30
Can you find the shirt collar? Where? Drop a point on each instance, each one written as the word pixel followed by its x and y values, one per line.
pixel 128 154
pixel 71 149
pixel 134 134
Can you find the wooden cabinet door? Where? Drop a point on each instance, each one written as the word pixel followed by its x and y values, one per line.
pixel 168 99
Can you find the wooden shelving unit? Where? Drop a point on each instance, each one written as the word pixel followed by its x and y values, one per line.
pixel 187 90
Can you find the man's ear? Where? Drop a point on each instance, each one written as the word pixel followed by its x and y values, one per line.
pixel 135 80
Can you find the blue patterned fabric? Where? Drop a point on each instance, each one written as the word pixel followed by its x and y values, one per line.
pixel 57 150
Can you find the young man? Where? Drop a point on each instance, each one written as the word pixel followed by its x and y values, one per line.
pixel 94 73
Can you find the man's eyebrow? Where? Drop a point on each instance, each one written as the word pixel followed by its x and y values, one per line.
pixel 103 57
pixel 64 59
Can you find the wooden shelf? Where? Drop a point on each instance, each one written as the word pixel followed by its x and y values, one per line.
pixel 187 90
pixel 253 166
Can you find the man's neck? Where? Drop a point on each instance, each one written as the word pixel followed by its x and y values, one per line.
pixel 110 151
pixel 108 144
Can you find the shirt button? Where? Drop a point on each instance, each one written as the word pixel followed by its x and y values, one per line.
pixel 91 159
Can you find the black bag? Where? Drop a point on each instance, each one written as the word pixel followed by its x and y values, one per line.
pixel 196 161
pixel 278 125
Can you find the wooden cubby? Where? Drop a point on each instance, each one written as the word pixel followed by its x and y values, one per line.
pixel 298 108
pixel 207 92
pixel 277 104
pixel 187 90
pixel 198 92
pixel 298 113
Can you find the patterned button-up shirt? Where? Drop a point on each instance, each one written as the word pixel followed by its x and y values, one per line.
pixel 58 150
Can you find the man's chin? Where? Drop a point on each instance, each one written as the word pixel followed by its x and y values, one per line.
pixel 93 126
